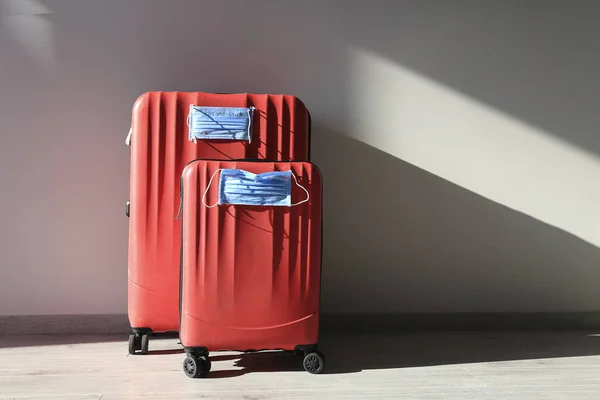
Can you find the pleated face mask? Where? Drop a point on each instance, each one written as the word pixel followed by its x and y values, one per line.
pixel 241 187
pixel 220 123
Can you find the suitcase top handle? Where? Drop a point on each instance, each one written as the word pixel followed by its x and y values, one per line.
pixel 220 123
pixel 240 187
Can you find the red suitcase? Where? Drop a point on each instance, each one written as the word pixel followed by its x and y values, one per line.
pixel 250 274
pixel 160 149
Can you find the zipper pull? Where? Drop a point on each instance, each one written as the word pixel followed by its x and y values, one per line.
pixel 180 206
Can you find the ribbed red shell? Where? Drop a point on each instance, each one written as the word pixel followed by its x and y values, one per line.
pixel 251 275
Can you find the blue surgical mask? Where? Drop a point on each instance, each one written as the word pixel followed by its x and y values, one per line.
pixel 220 123
pixel 241 187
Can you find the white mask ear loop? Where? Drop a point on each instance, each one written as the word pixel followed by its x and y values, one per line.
pixel 250 116
pixel 301 187
pixel 188 121
pixel 208 187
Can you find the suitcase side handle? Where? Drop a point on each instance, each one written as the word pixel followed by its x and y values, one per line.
pixel 128 139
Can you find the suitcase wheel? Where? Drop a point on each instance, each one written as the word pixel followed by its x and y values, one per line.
pixel 138 343
pixel 196 367
pixel 313 363
pixel 144 346
pixel 135 344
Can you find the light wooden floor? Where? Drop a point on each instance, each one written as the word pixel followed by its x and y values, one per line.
pixel 451 365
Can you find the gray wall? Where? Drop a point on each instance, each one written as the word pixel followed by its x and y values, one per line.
pixel 458 139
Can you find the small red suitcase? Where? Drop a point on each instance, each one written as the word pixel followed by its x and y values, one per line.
pixel 278 128
pixel 250 274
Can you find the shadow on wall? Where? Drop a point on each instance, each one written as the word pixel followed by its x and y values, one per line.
pixel 399 239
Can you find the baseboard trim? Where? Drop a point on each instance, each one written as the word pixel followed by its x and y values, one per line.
pixel 64 324
pixel 461 321
pixel 360 323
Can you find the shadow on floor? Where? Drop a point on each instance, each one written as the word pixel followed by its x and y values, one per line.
pixel 356 353
pixel 351 353
pixel 363 352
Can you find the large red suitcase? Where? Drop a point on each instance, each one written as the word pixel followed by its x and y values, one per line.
pixel 160 149
pixel 250 274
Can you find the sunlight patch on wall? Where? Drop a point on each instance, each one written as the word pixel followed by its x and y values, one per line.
pixel 477 147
